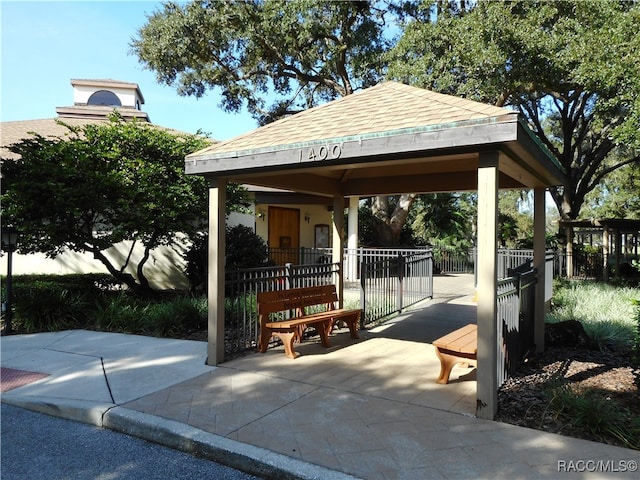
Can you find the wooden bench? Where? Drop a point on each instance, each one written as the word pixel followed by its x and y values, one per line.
pixel 299 301
pixel 460 346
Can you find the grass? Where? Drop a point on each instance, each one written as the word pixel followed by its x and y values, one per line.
pixel 606 312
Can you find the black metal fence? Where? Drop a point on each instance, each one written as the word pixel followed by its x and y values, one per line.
pixel 389 285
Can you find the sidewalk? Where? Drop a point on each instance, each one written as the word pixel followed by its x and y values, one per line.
pixel 367 408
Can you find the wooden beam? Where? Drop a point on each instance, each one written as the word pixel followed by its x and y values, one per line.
pixel 304 182
pixel 487 268
pixel 539 263
pixel 440 182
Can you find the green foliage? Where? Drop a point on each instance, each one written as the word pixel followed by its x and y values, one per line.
pixel 570 68
pixel 121 313
pixel 100 185
pixel 302 52
pixel 515 219
pixel 244 249
pixel 172 318
pixel 59 302
pixel 617 195
pixel 240 308
pixel 605 311
pixel 444 219
pixel 593 411
pixel 48 306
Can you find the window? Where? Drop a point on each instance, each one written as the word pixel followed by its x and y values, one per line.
pixel 105 98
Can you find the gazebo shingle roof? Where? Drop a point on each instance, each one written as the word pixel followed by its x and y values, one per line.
pixel 385 107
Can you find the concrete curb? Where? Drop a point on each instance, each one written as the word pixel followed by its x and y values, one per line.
pixel 76 410
pixel 247 458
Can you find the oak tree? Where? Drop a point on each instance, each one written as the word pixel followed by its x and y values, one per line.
pixel 571 68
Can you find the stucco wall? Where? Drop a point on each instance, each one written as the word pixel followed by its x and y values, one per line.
pixel 164 269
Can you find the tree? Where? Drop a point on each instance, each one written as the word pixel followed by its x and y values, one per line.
pixel 571 68
pixel 103 184
pixel 445 219
pixel 297 53
pixel 293 54
pixel 515 218
pixel 617 196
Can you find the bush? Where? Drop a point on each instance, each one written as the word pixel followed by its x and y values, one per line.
pixel 244 249
pixel 58 302
pixel 120 313
pixel 175 317
pixel 593 412
pixel 42 306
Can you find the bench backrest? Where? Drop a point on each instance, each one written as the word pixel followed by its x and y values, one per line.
pixel 297 299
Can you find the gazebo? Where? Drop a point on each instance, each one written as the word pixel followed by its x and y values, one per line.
pixel 390 139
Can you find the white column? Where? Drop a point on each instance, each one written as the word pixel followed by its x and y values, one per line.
pixel 352 239
pixel 216 273
pixel 487 373
pixel 338 244
pixel 539 263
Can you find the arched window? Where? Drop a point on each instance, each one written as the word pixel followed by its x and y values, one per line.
pixel 104 97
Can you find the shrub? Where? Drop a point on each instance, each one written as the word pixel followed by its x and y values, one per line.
pixel 120 313
pixel 244 249
pixel 42 306
pixel 171 318
pixel 593 412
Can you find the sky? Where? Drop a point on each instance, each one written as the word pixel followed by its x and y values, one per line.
pixel 45 44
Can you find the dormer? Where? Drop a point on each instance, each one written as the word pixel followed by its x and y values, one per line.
pixel 98 98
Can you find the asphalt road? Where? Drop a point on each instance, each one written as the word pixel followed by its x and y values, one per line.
pixel 40 447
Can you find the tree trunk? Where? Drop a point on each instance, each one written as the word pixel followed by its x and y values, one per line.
pixel 390 225
pixel 125 278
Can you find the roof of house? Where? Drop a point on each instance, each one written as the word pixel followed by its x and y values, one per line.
pixel 15 131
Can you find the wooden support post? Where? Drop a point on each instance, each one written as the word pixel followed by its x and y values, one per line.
pixel 216 272
pixel 488 340
pixel 605 253
pixel 539 263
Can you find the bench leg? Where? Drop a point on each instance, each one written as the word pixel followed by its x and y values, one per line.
pixel 446 364
pixel 353 323
pixel 263 341
pixel 324 329
pixel 448 361
pixel 287 339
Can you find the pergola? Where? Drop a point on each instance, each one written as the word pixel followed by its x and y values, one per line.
pixel 612 231
pixel 389 139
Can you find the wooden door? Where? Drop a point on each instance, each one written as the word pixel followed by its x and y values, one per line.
pixel 284 235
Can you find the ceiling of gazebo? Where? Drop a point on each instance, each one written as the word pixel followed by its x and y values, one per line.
pixel 388 139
